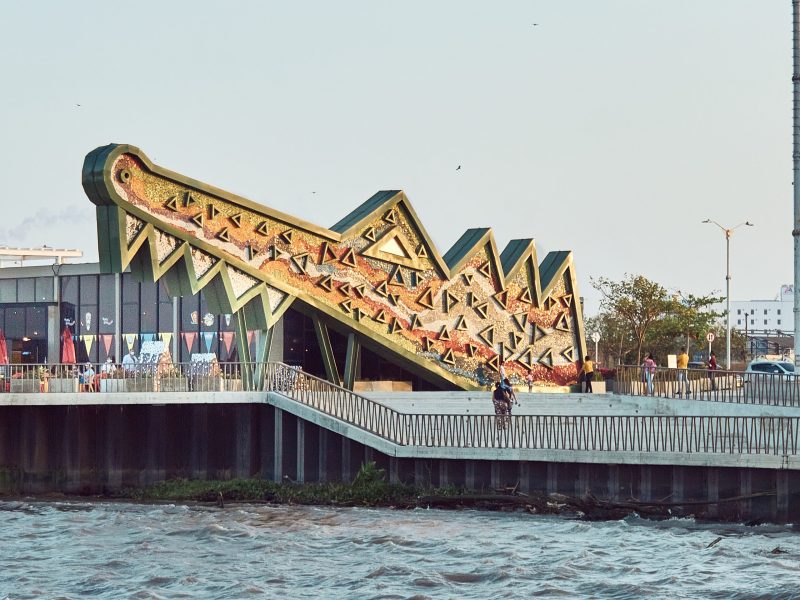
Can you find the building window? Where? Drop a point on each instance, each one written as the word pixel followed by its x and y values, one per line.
pixel 738 311
pixel 765 321
pixel 8 290
pixel 779 311
pixel 44 289
pixel 752 322
pixel 779 321
pixel 738 321
pixel 765 312
pixel 26 290
pixel 752 311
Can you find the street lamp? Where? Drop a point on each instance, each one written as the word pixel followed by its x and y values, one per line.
pixel 728 233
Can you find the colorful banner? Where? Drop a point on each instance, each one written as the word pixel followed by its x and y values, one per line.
pixel 148 337
pixel 208 336
pixel 250 334
pixel 188 339
pixel 130 340
pixel 88 340
pixel 167 338
pixel 106 339
pixel 227 340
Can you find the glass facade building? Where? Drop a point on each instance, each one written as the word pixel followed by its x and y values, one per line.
pixel 109 314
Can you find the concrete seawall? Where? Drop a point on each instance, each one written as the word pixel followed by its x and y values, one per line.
pixel 103 447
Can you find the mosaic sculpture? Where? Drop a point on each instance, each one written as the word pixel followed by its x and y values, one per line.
pixel 453 319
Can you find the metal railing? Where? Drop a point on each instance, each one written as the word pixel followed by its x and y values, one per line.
pixel 125 378
pixel 740 387
pixel 684 434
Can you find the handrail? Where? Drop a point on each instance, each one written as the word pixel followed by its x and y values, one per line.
pixel 739 387
pixel 125 377
pixel 626 433
pixel 685 434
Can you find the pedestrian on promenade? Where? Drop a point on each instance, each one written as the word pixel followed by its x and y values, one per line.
pixel 649 370
pixel 501 401
pixel 512 395
pixel 683 373
pixel 588 373
pixel 529 381
pixel 502 370
pixel 712 367
pixel 129 361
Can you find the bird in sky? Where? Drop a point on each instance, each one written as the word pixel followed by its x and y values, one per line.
pixel 77 104
pixel 535 25
pixel 458 168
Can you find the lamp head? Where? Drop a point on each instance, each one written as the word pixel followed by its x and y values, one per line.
pixel 707 221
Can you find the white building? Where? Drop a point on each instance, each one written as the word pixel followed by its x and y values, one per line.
pixel 765 315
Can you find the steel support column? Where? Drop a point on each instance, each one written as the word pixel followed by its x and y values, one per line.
pixel 352 361
pixel 326 350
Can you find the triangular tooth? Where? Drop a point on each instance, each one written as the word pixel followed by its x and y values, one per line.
pixel 172 204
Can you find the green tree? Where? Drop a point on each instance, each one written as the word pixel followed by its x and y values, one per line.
pixel 687 318
pixel 637 313
pixel 616 340
pixel 635 301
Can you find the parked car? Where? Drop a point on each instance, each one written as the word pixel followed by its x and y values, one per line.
pixel 775 367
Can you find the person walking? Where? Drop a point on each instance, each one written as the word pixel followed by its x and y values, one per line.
pixel 712 367
pixel 529 381
pixel 683 373
pixel 500 400
pixel 588 373
pixel 512 396
pixel 649 369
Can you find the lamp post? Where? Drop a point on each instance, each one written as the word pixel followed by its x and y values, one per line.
pixel 728 233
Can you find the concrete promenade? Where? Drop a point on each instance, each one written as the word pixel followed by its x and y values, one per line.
pixel 614 446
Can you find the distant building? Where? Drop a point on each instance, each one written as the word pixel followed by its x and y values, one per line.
pixel 776 315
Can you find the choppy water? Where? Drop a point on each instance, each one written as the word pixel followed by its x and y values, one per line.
pixel 111 550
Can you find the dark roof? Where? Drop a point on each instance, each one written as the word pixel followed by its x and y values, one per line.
pixel 512 253
pixel 365 210
pixel 550 266
pixel 464 246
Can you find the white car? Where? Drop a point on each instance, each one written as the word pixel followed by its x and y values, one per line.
pixel 775 367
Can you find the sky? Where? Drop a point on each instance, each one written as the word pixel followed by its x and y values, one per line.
pixel 610 128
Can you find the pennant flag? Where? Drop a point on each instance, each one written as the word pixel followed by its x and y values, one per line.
pixel 130 340
pixel 227 339
pixel 88 340
pixel 166 338
pixel 250 334
pixel 148 337
pixel 107 338
pixel 188 339
pixel 209 338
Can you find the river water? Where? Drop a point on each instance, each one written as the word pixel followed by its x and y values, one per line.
pixel 118 550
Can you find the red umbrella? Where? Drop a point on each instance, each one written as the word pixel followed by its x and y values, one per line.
pixel 67 347
pixel 3 348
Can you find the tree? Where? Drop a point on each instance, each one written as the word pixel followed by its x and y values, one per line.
pixel 635 301
pixel 637 312
pixel 687 318
pixel 616 339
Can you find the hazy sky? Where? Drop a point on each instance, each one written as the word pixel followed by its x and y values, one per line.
pixel 612 128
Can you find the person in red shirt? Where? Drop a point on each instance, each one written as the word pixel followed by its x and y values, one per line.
pixel 712 367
